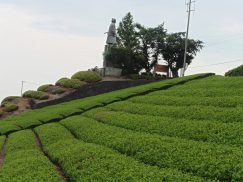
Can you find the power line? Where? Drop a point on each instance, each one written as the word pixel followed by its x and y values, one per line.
pixel 226 62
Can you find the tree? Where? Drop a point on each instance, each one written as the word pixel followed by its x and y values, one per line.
pixel 127 34
pixel 174 48
pixel 130 62
pixel 151 42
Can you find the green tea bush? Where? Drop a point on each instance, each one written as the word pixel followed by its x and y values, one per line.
pixel 198 130
pixel 219 162
pixel 70 83
pixel 36 95
pixel 10 107
pixel 87 76
pixel 235 72
pixel 89 162
pixel 25 162
pixel 197 112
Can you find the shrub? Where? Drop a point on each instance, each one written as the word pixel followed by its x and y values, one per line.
pixel 44 88
pixel 9 99
pixel 87 76
pixel 10 107
pixel 235 72
pixel 51 89
pixel 70 83
pixel 36 95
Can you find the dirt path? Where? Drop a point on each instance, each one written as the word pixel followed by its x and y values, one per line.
pixel 57 166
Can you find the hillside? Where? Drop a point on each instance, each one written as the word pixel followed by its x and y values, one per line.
pixel 184 129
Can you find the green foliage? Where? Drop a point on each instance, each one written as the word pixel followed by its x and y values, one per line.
pixel 87 76
pixel 227 115
pixel 25 162
pixel 127 34
pixel 9 99
pixel 130 62
pixel 10 107
pixel 44 88
pixel 202 159
pixel 52 89
pixel 36 95
pixel 235 72
pixel 70 83
pixel 57 112
pixel 173 51
pixel 89 162
pixel 198 130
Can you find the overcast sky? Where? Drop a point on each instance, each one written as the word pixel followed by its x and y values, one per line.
pixel 44 40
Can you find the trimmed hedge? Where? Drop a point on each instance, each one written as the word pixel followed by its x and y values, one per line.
pixel 70 83
pixel 216 162
pixel 9 99
pixel 52 89
pixel 235 72
pixel 10 107
pixel 89 162
pixel 25 162
pixel 44 88
pixel 36 95
pixel 87 76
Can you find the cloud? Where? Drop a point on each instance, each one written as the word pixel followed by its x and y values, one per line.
pixel 38 55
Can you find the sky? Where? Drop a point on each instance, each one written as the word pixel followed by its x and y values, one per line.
pixel 42 41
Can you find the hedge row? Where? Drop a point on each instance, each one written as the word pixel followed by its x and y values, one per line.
pixel 215 82
pixel 186 112
pixel 89 162
pixel 24 162
pixel 60 111
pixel 202 159
pixel 205 130
pixel 70 83
pixel 226 101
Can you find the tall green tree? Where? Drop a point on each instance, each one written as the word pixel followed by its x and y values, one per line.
pixel 174 48
pixel 151 43
pixel 127 33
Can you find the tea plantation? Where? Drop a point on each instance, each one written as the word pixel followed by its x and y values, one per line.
pixel 183 129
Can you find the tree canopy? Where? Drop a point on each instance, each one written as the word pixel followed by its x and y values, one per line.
pixel 140 47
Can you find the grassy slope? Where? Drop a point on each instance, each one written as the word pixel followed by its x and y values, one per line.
pixel 190 132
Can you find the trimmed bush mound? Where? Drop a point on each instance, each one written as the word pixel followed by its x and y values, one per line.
pixel 52 89
pixel 9 99
pixel 36 95
pixel 235 72
pixel 70 83
pixel 87 76
pixel 10 107
pixel 44 88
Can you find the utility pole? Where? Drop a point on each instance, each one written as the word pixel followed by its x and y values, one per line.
pixel 187 33
pixel 22 87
